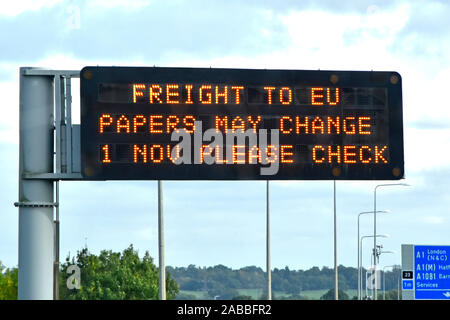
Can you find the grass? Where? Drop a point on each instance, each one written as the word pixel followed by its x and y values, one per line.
pixel 313 294
pixel 199 295
pixel 256 293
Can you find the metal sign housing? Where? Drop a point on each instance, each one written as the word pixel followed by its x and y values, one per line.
pixel 426 274
pixel 331 125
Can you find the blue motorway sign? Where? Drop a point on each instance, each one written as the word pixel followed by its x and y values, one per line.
pixel 407 284
pixel 432 272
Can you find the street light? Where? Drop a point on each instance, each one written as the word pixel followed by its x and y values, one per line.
pixel 359 265
pixel 399 267
pixel 360 252
pixel 375 223
pixel 379 252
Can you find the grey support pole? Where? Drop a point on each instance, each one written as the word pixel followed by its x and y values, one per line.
pixel 375 241
pixel 56 263
pixel 269 272
pixel 336 291
pixel 162 266
pixel 35 204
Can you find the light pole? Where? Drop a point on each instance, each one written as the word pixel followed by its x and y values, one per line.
pixel 379 252
pixel 269 275
pixel 375 224
pixel 336 290
pixel 399 267
pixel 379 247
pixel 162 263
pixel 360 252
pixel 359 266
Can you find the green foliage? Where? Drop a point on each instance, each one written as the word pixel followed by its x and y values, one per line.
pixel 330 295
pixel 8 283
pixel 124 275
pixel 290 284
pixel 393 295
pixel 114 276
pixel 221 292
pixel 389 295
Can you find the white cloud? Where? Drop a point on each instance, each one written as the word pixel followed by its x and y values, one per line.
pixel 9 121
pixel 433 220
pixel 13 8
pixel 426 148
pixel 347 41
pixel 126 4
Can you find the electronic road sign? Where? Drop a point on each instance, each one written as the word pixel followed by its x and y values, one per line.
pixel 151 123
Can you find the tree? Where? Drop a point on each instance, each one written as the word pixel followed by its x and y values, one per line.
pixel 114 275
pixel 8 283
pixel 330 295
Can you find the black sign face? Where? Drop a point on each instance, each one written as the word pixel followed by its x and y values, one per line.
pixel 149 123
pixel 407 275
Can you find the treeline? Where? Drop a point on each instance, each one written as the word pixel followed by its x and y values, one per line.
pixel 106 276
pixel 8 283
pixel 223 281
pixel 124 275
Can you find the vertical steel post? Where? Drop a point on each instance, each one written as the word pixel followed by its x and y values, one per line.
pixel 269 272
pixel 336 292
pixel 359 267
pixel 35 275
pixel 375 228
pixel 56 263
pixel 375 240
pixel 367 293
pixel 162 266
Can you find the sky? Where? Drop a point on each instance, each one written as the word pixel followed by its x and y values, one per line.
pixel 224 222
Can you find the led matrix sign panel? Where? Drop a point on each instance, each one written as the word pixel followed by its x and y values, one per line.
pixel 149 123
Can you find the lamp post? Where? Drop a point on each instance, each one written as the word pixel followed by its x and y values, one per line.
pixel 269 275
pixel 375 223
pixel 379 252
pixel 399 267
pixel 379 247
pixel 161 245
pixel 336 290
pixel 359 265
pixel 360 252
